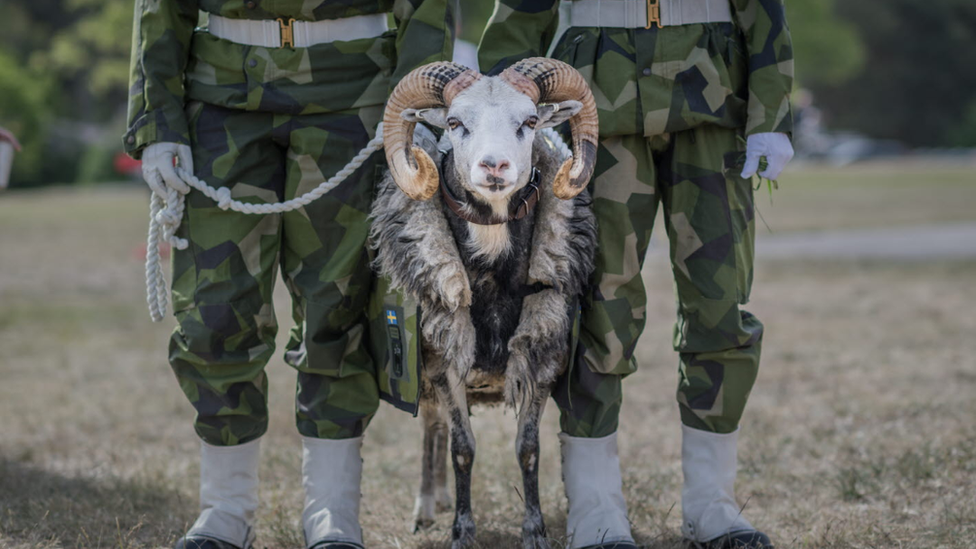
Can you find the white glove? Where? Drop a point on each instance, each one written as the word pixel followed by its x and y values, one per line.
pixel 158 170
pixel 777 149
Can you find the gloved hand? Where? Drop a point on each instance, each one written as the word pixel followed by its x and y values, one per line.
pixel 158 170
pixel 777 149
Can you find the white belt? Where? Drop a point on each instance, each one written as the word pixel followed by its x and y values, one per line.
pixel 297 34
pixel 633 14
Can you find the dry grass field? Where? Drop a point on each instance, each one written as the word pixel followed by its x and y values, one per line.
pixel 861 431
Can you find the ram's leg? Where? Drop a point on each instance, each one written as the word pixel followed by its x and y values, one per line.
pixel 537 353
pixel 442 498
pixel 527 451
pixel 433 466
pixel 451 391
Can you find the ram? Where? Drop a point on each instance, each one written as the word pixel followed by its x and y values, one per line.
pixel 493 235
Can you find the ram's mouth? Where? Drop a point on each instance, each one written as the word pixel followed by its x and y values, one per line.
pixel 495 184
pixel 495 191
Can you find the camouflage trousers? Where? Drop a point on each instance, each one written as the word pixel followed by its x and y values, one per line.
pixel 223 283
pixel 693 175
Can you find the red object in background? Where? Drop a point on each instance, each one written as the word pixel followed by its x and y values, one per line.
pixel 139 252
pixel 126 165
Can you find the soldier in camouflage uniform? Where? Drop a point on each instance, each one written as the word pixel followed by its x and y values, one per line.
pixel 281 98
pixel 676 103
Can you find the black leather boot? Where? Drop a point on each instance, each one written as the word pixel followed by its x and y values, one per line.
pixel 748 539
pixel 200 542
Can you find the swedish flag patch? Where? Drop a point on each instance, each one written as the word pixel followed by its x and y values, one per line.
pixel 391 317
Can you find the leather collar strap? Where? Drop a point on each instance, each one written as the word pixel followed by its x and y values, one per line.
pixel 518 208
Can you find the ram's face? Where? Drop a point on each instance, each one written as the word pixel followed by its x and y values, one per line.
pixel 491 122
pixel 491 126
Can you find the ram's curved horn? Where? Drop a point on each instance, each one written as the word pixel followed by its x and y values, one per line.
pixel 547 80
pixel 429 86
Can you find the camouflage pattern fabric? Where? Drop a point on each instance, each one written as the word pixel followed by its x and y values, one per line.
pixel 271 124
pixel 672 103
pixel 655 81
pixel 709 219
pixel 589 401
pixel 222 284
pixel 174 63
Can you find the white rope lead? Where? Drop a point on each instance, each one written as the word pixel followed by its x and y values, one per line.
pixel 166 214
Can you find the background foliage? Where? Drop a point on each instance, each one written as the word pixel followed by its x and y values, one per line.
pixel 897 69
pixel 917 84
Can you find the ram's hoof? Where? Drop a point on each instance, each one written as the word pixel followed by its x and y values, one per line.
pixel 443 504
pixel 421 523
pixel 463 532
pixel 423 513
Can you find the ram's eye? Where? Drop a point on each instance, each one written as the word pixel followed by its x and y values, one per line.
pixel 454 123
pixel 531 122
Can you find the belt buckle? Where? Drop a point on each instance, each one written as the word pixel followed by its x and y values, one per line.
pixel 653 13
pixel 287 32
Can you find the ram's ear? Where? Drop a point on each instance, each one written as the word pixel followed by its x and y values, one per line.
pixel 554 114
pixel 434 117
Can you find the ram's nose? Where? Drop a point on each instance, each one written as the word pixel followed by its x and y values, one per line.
pixel 494 168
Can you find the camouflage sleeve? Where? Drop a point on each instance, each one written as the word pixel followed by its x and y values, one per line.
pixel 425 34
pixel 517 29
pixel 160 48
pixel 770 50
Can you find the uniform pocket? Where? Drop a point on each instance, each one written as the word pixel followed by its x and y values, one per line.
pixel 727 52
pixel 394 334
pixel 333 342
pixel 214 72
pixel 606 59
pixel 565 50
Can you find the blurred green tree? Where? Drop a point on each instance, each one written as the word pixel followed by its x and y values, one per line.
pixel 65 72
pixel 897 69
pixel 98 44
pixel 827 48
pixel 89 54
pixel 918 84
pixel 23 96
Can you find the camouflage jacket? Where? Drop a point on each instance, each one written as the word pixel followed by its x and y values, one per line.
pixel 173 62
pixel 657 81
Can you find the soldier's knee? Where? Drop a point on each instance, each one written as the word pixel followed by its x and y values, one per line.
pixel 711 325
pixel 333 341
pixel 216 330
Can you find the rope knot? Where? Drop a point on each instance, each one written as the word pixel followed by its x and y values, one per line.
pixel 223 198
pixel 185 177
pixel 179 243
pixel 167 218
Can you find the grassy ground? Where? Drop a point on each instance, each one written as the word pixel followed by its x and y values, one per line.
pixel 867 196
pixel 860 432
